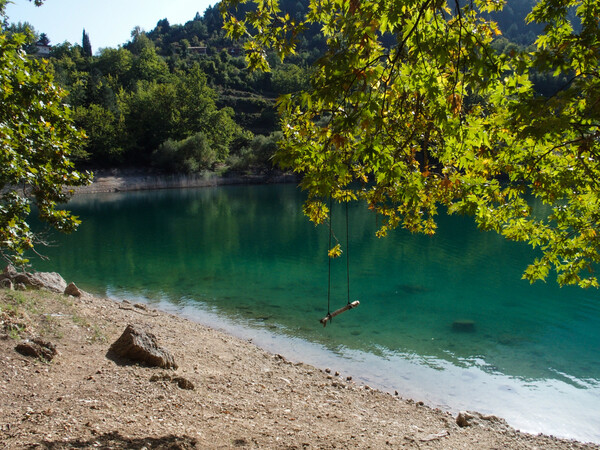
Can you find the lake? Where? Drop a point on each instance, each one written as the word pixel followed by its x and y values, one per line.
pixel 244 259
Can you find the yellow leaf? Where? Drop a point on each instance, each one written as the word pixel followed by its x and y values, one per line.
pixel 335 252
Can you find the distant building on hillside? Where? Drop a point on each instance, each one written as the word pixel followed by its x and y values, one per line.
pixel 42 49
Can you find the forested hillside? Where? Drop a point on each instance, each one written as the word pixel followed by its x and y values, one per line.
pixel 180 98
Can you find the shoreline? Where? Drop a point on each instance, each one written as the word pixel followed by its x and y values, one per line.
pixel 106 181
pixel 243 396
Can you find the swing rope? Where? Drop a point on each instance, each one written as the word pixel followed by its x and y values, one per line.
pixel 349 305
pixel 329 257
pixel 347 257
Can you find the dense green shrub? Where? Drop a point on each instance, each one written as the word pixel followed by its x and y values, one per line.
pixel 190 155
pixel 256 156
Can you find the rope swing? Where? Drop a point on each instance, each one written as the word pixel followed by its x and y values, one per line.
pixel 349 305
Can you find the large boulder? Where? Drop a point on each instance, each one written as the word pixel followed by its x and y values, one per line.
pixel 141 346
pixel 26 279
pixel 9 272
pixel 50 281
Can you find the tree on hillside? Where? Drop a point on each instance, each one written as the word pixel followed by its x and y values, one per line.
pixel 36 140
pixel 156 112
pixel 86 44
pixel 440 118
pixel 24 28
pixel 44 40
pixel 139 41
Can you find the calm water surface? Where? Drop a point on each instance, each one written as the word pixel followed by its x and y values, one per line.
pixel 245 259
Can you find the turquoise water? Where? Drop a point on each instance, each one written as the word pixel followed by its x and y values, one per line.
pixel 245 259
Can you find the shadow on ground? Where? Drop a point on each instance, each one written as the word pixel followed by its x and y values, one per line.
pixel 115 441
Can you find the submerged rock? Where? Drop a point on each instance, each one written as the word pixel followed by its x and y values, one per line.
pixel 464 326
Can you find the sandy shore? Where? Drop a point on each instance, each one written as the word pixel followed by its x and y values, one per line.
pixel 243 397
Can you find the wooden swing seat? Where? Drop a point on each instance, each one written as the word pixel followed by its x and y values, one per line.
pixel 328 317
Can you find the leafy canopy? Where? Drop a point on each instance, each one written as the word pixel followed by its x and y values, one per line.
pixel 36 139
pixel 440 118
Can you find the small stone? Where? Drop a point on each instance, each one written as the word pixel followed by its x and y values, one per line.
pixel 348 378
pixel 73 290
pixel 37 348
pixel 463 419
pixel 6 284
pixel 161 377
pixel 337 374
pixel 328 370
pixel 184 383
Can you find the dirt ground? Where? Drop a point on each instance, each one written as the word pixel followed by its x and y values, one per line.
pixel 243 397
